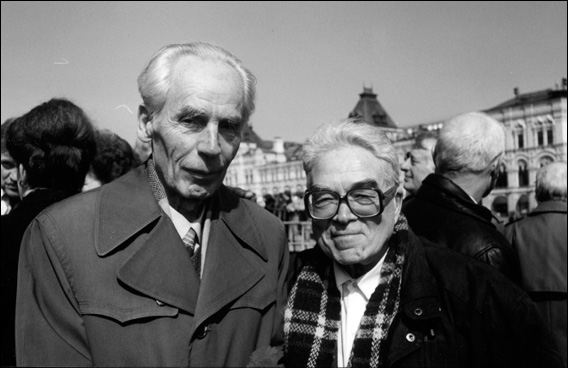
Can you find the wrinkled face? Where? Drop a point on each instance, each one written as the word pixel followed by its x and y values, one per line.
pixel 9 175
pixel 417 166
pixel 349 240
pixel 197 133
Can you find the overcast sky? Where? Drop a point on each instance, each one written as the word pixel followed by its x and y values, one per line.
pixel 425 60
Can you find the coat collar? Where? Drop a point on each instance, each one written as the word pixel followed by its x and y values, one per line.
pixel 158 265
pixel 549 206
pixel 449 194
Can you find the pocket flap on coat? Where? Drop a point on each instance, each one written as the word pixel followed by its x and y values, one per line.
pixel 257 298
pixel 145 309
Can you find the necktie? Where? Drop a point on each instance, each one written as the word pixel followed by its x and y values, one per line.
pixel 194 254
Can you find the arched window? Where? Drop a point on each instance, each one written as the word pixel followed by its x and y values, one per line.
pixel 502 181
pixel 545 161
pixel 500 206
pixel 523 206
pixel 523 174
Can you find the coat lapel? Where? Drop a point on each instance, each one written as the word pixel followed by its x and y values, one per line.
pixel 230 269
pixel 158 264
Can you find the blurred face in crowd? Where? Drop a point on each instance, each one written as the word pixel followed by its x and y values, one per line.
pixel 418 165
pixel 9 175
pixel 356 243
pixel 198 131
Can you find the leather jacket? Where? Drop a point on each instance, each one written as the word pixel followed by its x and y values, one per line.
pixel 444 214
pixel 456 312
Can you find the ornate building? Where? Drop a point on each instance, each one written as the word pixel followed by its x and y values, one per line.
pixel 535 123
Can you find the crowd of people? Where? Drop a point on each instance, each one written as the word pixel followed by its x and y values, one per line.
pixel 114 256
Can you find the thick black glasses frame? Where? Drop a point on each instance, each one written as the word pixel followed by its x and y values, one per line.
pixel 384 200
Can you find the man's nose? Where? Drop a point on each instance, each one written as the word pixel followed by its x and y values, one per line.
pixel 405 165
pixel 344 214
pixel 209 140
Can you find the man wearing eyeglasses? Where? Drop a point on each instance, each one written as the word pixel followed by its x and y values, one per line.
pixel 373 294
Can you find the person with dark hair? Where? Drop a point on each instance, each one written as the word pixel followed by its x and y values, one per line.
pixel 540 240
pixel 52 146
pixel 373 294
pixel 114 158
pixel 10 195
pixel 164 266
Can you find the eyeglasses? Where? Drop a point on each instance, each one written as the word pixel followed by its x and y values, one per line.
pixel 323 204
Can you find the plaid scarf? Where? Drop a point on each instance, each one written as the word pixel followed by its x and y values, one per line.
pixel 313 313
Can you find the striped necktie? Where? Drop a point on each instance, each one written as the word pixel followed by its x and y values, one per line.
pixel 194 254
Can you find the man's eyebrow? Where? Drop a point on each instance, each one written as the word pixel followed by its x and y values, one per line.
pixel 189 112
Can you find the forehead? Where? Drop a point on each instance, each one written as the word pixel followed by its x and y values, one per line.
pixel 205 81
pixel 341 168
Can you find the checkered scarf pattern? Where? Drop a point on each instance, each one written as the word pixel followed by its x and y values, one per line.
pixel 313 313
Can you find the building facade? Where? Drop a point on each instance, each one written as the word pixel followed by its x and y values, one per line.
pixel 536 130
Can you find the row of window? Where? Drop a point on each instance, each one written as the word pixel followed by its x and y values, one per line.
pixel 523 173
pixel 544 136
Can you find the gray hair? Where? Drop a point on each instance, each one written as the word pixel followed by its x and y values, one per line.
pixel 155 80
pixel 551 182
pixel 348 133
pixel 469 143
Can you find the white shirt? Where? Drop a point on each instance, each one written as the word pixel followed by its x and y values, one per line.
pixel 182 227
pixel 355 294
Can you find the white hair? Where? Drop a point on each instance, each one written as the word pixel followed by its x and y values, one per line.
pixel 551 182
pixel 155 79
pixel 469 143
pixel 348 133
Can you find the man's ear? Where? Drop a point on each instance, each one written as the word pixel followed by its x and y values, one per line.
pixel 145 125
pixel 398 197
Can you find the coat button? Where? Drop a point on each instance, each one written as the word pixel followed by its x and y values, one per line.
pixel 159 303
pixel 201 332
pixel 410 337
pixel 418 312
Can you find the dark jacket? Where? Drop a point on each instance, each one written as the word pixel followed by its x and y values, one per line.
pixel 13 227
pixel 457 312
pixel 444 214
pixel 540 240
pixel 105 280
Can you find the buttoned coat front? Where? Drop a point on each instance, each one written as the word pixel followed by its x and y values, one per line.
pixel 104 279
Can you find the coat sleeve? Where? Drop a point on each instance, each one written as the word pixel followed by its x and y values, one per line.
pixel 49 327
pixel 282 292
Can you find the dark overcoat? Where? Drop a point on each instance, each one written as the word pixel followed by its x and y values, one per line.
pixel 540 240
pixel 104 279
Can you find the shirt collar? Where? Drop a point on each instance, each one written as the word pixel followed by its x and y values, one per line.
pixel 367 283
pixel 182 225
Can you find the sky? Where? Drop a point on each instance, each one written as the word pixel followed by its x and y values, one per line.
pixel 426 61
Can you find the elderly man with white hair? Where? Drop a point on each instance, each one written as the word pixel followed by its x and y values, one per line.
pixel 446 209
pixel 540 239
pixel 373 294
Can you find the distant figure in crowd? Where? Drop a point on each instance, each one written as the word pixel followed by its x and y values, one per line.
pixel 114 158
pixel 373 294
pixel 163 266
pixel 10 195
pixel 446 208
pixel 419 162
pixel 52 146
pixel 540 239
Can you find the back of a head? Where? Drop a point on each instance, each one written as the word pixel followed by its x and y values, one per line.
pixel 114 158
pixel 55 143
pixel 348 133
pixel 5 125
pixel 155 79
pixel 468 143
pixel 551 182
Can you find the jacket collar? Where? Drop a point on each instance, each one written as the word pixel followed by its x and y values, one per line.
pixel 549 206
pixel 158 264
pixel 448 194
